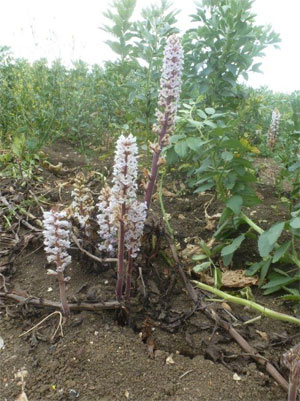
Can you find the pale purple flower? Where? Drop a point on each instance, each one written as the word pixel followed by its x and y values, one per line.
pixel 125 170
pixel 136 217
pixel 170 86
pixel 274 129
pixel 105 218
pixel 57 238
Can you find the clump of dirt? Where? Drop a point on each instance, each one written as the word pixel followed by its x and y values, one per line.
pixel 165 350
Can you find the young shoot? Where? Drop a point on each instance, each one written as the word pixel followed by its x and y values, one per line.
pixel 83 204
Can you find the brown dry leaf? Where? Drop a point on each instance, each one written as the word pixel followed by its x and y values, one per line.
pixel 22 397
pixel 231 279
pixel 190 251
pixel 226 306
pixel 167 193
pixel 51 167
pixel 211 221
pixel 263 335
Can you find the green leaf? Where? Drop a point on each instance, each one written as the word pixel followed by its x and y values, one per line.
pixel 281 251
pixel 270 291
pixel 227 156
pixel 210 124
pixel 280 282
pixel 201 267
pixel 264 270
pixel 181 148
pixel 253 269
pixel 210 110
pixel 199 257
pixel 256 66
pixel 194 143
pixel 217 278
pixel 229 249
pixel 235 203
pixel 267 239
pixel 204 187
pixel 290 297
pixel 295 222
pixel 201 114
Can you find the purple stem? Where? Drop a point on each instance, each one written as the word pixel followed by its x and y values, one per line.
pixel 294 378
pixel 120 279
pixel 293 391
pixel 62 293
pixel 155 158
pixel 128 277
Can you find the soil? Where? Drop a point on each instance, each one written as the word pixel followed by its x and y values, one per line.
pixel 164 348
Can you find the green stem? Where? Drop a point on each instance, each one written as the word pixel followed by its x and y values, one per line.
pixel 163 210
pixel 245 302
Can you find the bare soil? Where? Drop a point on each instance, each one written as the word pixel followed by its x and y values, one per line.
pixel 163 348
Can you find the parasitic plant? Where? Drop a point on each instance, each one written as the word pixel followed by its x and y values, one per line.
pixel 83 203
pixel 105 218
pixel 274 129
pixel 170 86
pixel 291 359
pixel 57 240
pixel 121 216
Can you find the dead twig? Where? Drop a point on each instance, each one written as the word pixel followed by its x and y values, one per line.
pixel 212 315
pixel 100 260
pixel 45 303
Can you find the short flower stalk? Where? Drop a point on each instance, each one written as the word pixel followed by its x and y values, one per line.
pixel 83 204
pixel 170 87
pixel 57 240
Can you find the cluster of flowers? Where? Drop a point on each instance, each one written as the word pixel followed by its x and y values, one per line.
pixel 274 129
pixel 170 87
pixel 57 240
pixel 119 210
pixel 120 216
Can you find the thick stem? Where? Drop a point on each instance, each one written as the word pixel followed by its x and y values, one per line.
pixel 128 277
pixel 155 158
pixel 62 293
pixel 293 387
pixel 121 236
pixel 261 309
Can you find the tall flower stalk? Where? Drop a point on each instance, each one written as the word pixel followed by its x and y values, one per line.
pixel 274 129
pixel 170 87
pixel 121 216
pixel 57 240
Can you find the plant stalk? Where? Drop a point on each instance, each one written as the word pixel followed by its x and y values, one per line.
pixel 62 293
pixel 253 305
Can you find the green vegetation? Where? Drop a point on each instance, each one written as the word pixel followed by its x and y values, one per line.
pixel 221 128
